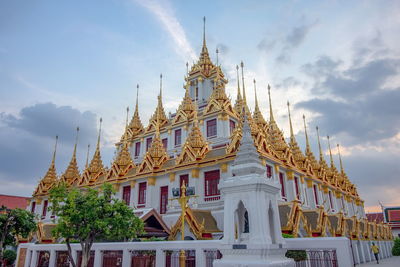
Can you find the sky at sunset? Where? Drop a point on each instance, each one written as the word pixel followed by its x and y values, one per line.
pixel 65 64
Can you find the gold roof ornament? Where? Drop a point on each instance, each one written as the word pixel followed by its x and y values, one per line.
pixel 219 102
pixel 87 157
pixel 50 178
pixel 71 175
pixel 239 100
pixel 309 154
pixel 159 116
pixel 277 140
pixel 258 117
pixel 344 177
pixel 156 156
pixel 123 162
pixel 333 172
pixel 246 108
pixel 195 147
pixel 96 168
pixel 135 127
pixel 324 168
pixel 294 147
pixel 186 109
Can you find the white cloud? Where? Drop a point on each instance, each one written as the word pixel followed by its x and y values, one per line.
pixel 164 13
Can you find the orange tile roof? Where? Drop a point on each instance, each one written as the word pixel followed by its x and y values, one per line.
pixel 13 202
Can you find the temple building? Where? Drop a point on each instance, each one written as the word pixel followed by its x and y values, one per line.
pixel 196 146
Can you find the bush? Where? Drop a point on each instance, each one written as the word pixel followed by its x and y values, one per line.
pixel 396 247
pixel 287 235
pixel 297 255
pixel 9 256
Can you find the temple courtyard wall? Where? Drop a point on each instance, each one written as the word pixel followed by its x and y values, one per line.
pixel 340 251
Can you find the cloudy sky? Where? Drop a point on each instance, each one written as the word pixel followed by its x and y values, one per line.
pixel 64 64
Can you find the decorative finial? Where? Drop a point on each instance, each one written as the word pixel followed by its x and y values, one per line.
pixel 340 159
pixel 87 157
pixel 127 116
pixel 244 90
pixel 321 155
pixel 137 97
pixel 308 149
pixel 76 140
pixel 239 95
pixel 160 85
pixel 330 151
pixel 98 137
pixel 271 114
pixel 55 151
pixel 290 122
pixel 187 69
pixel 217 52
pixel 255 94
pixel 204 31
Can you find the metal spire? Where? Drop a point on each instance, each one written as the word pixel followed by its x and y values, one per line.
pixel 255 95
pixel 330 152
pixel 55 152
pixel 137 99
pixel 98 137
pixel 340 159
pixel 290 123
pixel 321 155
pixel 87 157
pixel 217 52
pixel 204 31
pixel 271 114
pixel 239 95
pixel 308 148
pixel 244 89
pixel 76 141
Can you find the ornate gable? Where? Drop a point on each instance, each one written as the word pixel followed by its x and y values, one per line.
pixel 186 109
pixel 123 163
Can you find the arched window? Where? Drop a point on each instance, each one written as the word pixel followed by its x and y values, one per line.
pixel 246 227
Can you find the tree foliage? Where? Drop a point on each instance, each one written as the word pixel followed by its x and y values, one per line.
pixel 396 247
pixel 13 223
pixel 89 215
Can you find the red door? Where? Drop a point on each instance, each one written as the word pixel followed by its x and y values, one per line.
pixel 163 199
pixel 112 258
pixel 183 179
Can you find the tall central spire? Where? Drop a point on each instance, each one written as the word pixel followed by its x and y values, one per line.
pixel 239 95
pixel 308 148
pixel 292 139
pixel 271 114
pixel 244 89
pixel 204 32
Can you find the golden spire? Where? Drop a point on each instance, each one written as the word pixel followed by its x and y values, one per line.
pixel 292 139
pixel 204 32
pixel 321 155
pixel 135 126
pixel 244 89
pixel 330 152
pixel 71 174
pixel 96 164
pixel 126 120
pixel 50 178
pixel 271 114
pixel 239 95
pixel 257 115
pixel 217 52
pixel 87 156
pixel 308 148
pixel 340 159
pixel 159 114
pixel 186 108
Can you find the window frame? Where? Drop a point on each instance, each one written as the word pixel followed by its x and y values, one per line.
pixel 126 194
pixel 209 128
pixel 283 186
pixel 178 137
pixel 149 140
pixel 137 149
pixel 211 183
pixel 316 198
pixel 142 193
pixel 44 210
pixel 163 201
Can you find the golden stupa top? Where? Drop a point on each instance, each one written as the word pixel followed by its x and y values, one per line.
pixel 258 117
pixel 135 126
pixel 158 118
pixel 309 154
pixel 186 109
pixel 50 178
pixel 71 174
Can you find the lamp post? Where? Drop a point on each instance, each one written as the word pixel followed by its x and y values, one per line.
pixel 183 195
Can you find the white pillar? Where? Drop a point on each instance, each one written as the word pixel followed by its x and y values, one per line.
pixel 361 251
pixel 98 254
pixel 160 257
pixel 52 260
pixel 34 258
pixel 28 258
pixel 200 257
pixel 126 258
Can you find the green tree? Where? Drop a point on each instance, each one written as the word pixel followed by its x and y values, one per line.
pixel 13 223
pixel 396 247
pixel 89 215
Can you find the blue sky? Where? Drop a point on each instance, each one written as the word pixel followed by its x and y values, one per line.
pixel 68 63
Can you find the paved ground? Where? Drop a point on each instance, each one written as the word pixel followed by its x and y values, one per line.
pixel 390 262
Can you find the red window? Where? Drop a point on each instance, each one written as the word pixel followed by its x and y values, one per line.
pixel 33 207
pixel 183 179
pixel 232 125
pixel 212 128
pixel 178 137
pixel 137 149
pixel 211 181
pixel 44 211
pixel 316 195
pixel 330 200
pixel 296 186
pixel 282 181
pixel 126 194
pixel 148 143
pixel 142 193
pixel 269 171
pixel 165 143
pixel 163 199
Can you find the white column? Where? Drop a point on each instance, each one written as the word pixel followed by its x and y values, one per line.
pixel 160 257
pixel 361 251
pixel 34 258
pixel 28 258
pixel 126 258
pixel 150 191
pixel 97 257
pixel 52 260
pixel 200 257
